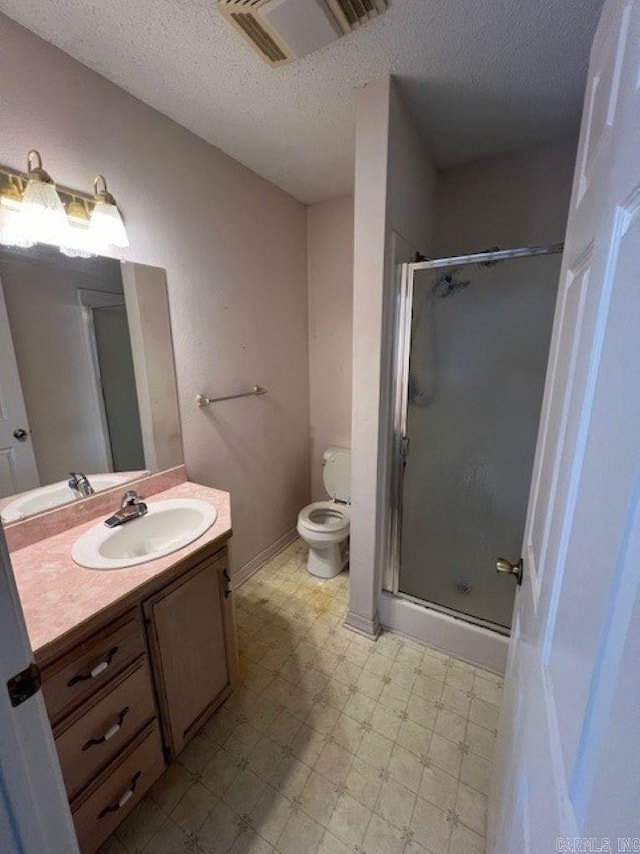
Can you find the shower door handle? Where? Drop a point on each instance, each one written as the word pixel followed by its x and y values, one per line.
pixel 505 567
pixel 404 451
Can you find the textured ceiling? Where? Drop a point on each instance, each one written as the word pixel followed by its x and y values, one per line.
pixel 479 76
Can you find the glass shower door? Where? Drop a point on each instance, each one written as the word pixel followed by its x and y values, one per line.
pixel 477 360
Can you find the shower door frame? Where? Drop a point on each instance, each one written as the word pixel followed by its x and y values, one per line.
pixel 403 315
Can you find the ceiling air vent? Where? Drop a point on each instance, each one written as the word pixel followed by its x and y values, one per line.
pixel 354 13
pixel 283 30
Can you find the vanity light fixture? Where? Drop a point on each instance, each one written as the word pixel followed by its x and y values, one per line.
pixel 78 242
pixel 11 200
pixel 11 195
pixel 42 217
pixel 106 225
pixel 34 210
pixel 77 213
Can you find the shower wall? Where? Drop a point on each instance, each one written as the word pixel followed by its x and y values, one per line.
pixel 516 199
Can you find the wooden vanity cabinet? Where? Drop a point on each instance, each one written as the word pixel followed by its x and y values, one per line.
pixel 101 703
pixel 192 648
pixel 87 665
pixel 109 799
pixel 124 698
pixel 87 741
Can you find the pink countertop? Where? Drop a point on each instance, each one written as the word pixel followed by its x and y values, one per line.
pixel 58 596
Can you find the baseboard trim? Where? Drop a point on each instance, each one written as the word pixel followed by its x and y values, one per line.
pixel 245 572
pixel 370 628
pixel 473 644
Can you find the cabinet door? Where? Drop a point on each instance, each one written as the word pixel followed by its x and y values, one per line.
pixel 187 634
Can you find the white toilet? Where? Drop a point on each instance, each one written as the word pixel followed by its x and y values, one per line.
pixel 324 525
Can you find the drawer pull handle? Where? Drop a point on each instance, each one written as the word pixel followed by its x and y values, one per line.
pixel 95 671
pixel 123 798
pixel 227 589
pixel 114 729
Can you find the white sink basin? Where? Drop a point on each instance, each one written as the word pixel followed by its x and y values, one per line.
pixel 48 497
pixel 167 527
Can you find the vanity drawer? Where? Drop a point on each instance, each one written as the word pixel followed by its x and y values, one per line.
pixel 90 665
pixel 91 738
pixel 118 790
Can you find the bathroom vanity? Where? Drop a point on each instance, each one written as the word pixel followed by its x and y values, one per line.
pixel 135 648
pixel 132 661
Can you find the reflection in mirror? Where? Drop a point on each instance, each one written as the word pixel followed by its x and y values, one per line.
pixel 79 411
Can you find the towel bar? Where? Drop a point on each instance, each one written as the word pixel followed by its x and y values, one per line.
pixel 203 400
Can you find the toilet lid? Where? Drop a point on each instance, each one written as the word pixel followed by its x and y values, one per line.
pixel 336 475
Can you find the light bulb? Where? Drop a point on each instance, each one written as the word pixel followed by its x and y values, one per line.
pixel 13 236
pixel 78 242
pixel 106 225
pixel 42 217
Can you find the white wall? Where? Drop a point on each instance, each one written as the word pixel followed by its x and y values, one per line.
pixel 394 183
pixel 55 374
pixel 411 180
pixel 234 247
pixel 330 284
pixel 515 199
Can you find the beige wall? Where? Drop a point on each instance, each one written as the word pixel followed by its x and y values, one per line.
pixel 515 199
pixel 394 182
pixel 234 247
pixel 330 283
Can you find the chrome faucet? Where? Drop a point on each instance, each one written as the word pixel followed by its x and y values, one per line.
pixel 79 484
pixel 132 507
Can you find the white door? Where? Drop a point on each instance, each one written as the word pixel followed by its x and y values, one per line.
pixel 567 759
pixel 34 811
pixel 18 471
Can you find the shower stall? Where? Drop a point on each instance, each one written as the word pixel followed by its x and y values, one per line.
pixel 472 341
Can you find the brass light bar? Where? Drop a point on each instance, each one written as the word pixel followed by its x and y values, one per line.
pixel 13 182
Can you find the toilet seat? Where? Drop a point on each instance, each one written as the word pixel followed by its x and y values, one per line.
pixel 324 525
pixel 327 517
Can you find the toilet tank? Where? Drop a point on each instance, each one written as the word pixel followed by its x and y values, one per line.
pixel 336 474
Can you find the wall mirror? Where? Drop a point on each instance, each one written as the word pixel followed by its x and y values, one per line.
pixel 87 378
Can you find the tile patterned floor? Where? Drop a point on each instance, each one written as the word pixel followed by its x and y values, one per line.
pixel 333 743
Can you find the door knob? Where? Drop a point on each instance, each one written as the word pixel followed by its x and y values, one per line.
pixel 20 434
pixel 505 566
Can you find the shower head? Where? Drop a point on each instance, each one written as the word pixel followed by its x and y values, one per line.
pixel 447 284
pixel 490 263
